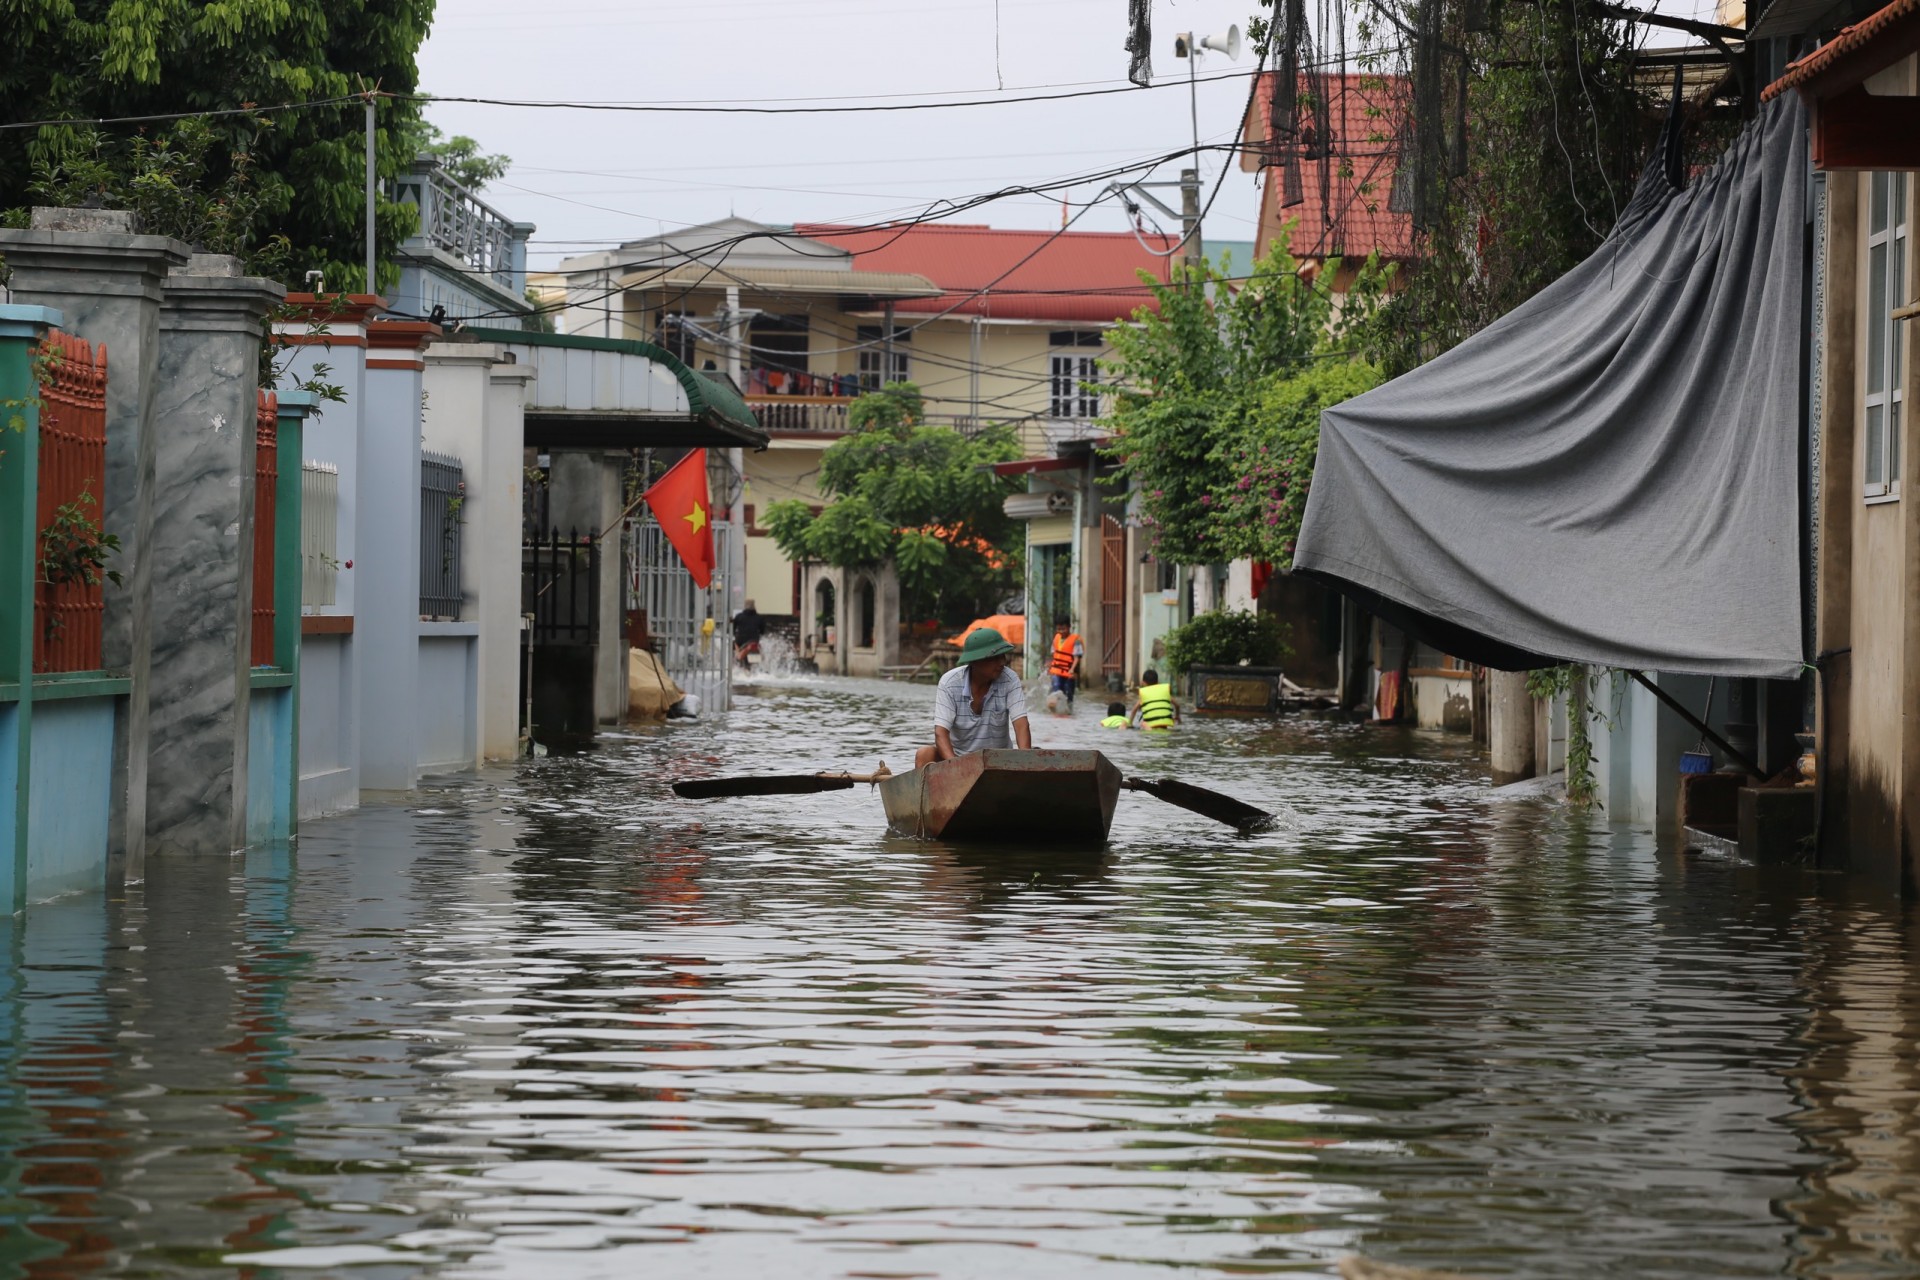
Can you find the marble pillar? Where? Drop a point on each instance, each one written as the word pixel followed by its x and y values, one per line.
pixel 107 283
pixel 211 326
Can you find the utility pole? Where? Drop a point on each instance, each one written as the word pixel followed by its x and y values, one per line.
pixel 1190 216
pixel 1190 178
pixel 737 464
pixel 373 284
pixel 886 349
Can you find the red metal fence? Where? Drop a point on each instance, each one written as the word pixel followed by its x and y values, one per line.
pixel 69 612
pixel 266 472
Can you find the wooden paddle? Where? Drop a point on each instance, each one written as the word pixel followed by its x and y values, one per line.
pixel 1242 817
pixel 776 784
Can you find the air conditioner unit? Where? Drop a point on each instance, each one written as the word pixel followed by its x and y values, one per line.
pixel 1035 506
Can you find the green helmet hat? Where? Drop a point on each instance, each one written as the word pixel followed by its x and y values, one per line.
pixel 984 642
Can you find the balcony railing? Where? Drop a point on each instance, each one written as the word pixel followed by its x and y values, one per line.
pixel 812 414
pixel 458 222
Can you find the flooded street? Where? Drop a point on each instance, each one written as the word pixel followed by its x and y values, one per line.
pixel 554 1021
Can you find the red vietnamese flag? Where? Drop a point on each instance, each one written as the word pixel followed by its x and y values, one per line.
pixel 680 503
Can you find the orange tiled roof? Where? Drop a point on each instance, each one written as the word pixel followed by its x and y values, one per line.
pixel 1849 42
pixel 1352 220
pixel 1072 276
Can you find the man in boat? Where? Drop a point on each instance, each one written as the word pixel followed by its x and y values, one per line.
pixel 980 705
pixel 1068 652
pixel 1155 707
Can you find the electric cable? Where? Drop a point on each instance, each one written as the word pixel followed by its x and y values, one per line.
pixel 161 117
pixel 554 104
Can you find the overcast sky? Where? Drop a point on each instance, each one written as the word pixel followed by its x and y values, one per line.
pixel 593 178
pixel 589 179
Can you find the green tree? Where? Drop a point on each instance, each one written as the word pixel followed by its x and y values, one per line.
pixel 920 496
pixel 80 59
pixel 462 157
pixel 1199 399
pixel 1269 444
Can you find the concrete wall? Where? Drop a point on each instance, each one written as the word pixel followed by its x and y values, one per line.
pixel 787 470
pixel 1868 615
pixel 387 588
pixel 329 734
pixel 449 737
pixel 493 558
pixel 71 766
pixel 329 695
pixel 393 696
pixel 1638 741
pixel 884 587
pixel 475 412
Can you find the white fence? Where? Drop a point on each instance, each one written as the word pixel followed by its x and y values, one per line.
pixel 319 533
pixel 699 661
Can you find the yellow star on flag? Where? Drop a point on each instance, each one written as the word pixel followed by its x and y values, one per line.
pixel 697 517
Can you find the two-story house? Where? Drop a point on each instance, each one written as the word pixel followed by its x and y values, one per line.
pixel 994 325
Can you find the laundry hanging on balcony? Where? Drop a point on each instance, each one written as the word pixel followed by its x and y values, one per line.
pixel 1608 474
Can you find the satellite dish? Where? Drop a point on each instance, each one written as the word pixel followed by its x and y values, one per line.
pixel 1229 45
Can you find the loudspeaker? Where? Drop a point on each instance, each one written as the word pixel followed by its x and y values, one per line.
pixel 1229 44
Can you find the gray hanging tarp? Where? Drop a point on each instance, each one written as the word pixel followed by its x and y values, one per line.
pixel 1609 473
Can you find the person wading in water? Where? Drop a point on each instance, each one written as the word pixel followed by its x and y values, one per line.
pixel 980 705
pixel 1156 708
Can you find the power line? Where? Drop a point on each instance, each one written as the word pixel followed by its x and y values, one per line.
pixel 189 115
pixel 931 213
pixel 801 108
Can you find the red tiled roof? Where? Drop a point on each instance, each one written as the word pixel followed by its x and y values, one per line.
pixel 1070 276
pixel 1353 219
pixel 1851 41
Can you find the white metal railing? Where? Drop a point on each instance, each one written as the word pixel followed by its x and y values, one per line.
pixel 454 219
pixel 698 660
pixel 319 533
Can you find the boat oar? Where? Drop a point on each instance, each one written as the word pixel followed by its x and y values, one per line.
pixel 1242 817
pixel 775 784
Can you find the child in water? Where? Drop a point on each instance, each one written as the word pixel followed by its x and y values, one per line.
pixel 1116 716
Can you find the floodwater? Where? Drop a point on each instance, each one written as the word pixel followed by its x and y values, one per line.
pixel 551 1021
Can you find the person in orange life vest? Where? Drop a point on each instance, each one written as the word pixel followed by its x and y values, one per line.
pixel 1068 650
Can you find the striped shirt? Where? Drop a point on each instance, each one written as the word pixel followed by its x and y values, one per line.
pixel 1004 703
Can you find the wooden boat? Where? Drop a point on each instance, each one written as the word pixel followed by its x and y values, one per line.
pixel 1034 798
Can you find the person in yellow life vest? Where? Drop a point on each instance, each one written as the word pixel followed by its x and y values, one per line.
pixel 1116 717
pixel 1068 650
pixel 1154 707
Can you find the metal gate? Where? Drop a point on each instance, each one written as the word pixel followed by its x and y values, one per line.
pixel 1113 596
pixel 699 661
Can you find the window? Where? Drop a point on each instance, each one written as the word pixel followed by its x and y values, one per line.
pixel 873 357
pixel 1072 373
pixel 1889 219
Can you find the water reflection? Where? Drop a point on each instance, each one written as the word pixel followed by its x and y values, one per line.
pixel 553 1021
